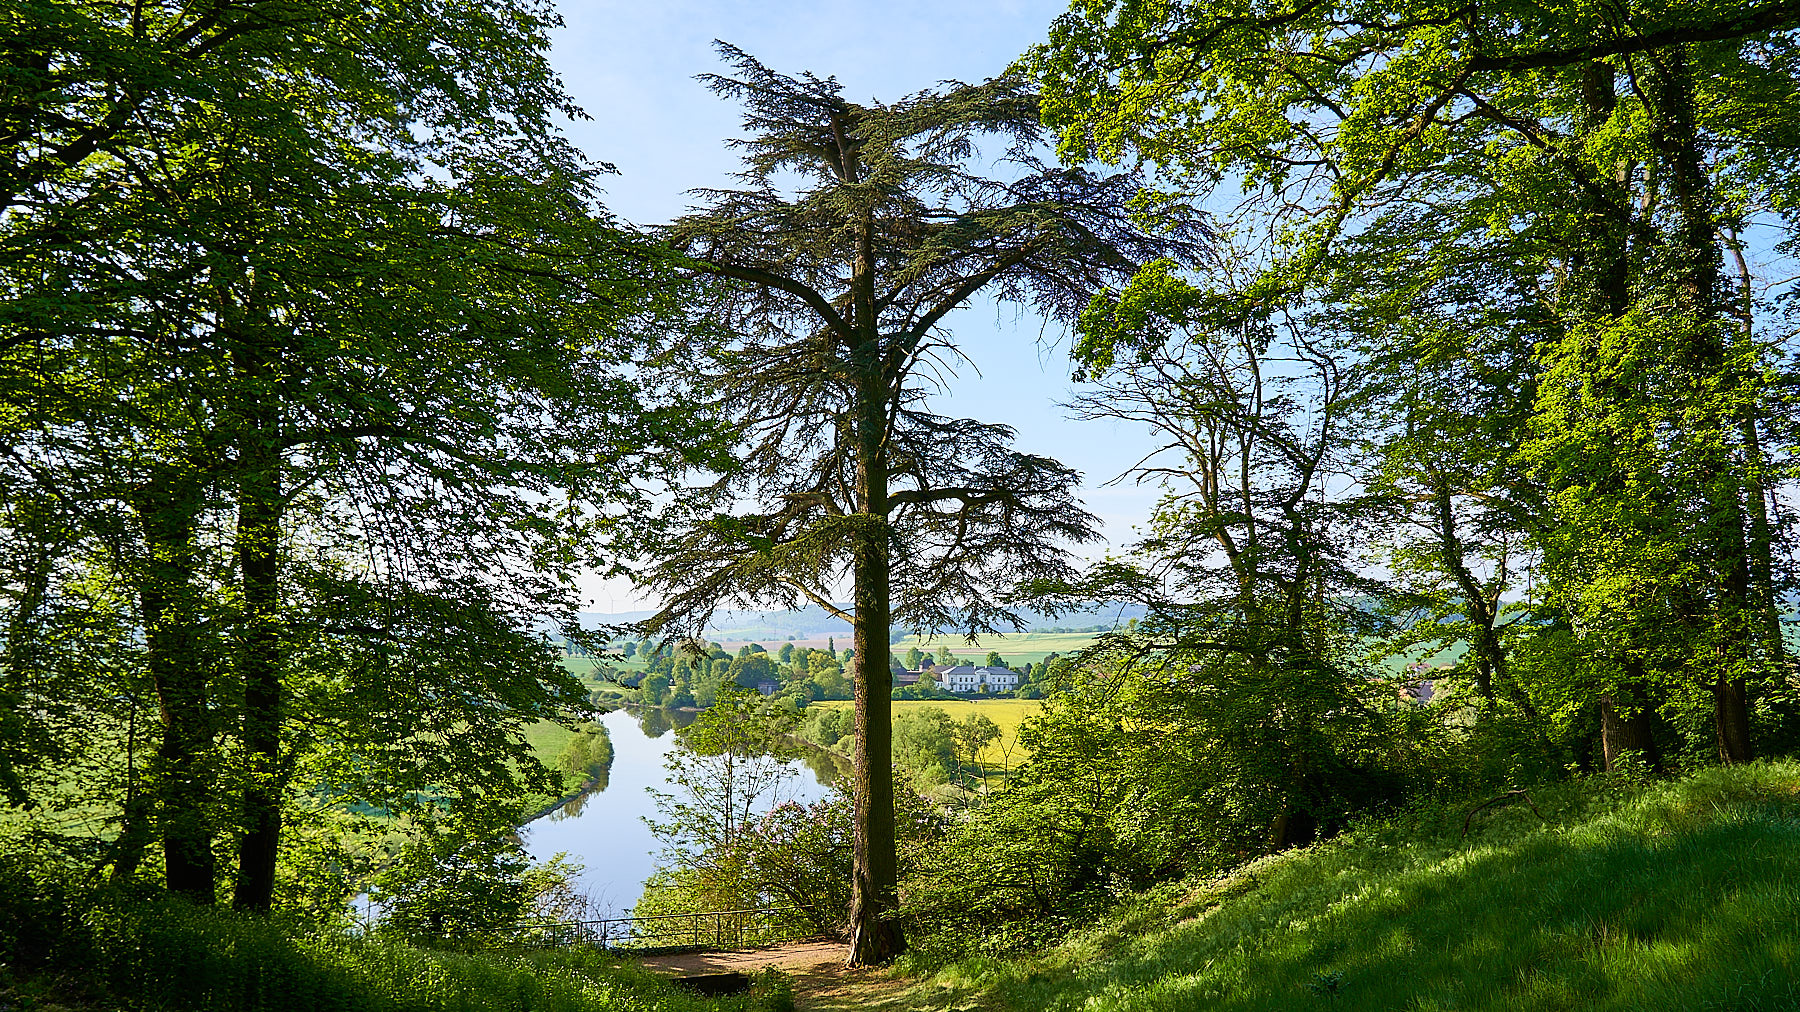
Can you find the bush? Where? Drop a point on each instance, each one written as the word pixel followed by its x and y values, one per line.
pixel 588 755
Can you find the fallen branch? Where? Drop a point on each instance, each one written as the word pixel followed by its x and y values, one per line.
pixel 1495 801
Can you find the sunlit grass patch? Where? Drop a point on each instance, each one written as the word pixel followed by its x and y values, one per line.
pixel 1669 896
pixel 1015 649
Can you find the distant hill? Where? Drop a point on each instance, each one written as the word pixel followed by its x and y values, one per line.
pixel 813 621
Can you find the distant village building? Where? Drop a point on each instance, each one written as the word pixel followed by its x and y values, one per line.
pixel 967 678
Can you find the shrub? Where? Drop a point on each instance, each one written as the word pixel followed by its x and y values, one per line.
pixel 65 943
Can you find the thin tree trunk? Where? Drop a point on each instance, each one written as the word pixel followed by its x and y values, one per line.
pixel 21 654
pixel 1489 658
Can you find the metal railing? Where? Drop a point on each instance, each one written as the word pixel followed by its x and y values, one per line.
pixel 712 929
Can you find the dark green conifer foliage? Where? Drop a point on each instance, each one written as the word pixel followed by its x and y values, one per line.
pixel 857 229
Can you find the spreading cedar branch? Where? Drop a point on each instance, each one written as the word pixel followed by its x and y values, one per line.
pixel 854 271
pixel 816 335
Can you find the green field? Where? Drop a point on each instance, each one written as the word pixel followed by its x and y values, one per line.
pixel 1017 649
pixel 547 740
pixel 1008 714
pixel 583 667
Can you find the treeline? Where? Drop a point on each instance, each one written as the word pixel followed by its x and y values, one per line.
pixel 1493 355
pixel 690 675
pixel 314 343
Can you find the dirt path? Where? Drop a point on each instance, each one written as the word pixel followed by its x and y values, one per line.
pixel 822 983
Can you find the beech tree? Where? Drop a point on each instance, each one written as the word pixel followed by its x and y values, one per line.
pixel 1607 162
pixel 827 302
pixel 293 361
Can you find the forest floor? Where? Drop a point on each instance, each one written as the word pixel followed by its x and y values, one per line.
pixel 822 983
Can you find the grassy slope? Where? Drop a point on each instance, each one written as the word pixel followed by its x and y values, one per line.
pixel 1683 895
pixel 1008 714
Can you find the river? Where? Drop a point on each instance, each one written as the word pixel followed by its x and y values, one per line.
pixel 604 829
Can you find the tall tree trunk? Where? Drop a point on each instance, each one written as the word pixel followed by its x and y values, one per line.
pixel 1764 595
pixel 184 759
pixel 1731 720
pixel 875 935
pixel 1703 309
pixel 259 637
pixel 1601 266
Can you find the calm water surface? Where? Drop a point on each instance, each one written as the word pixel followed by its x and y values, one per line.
pixel 604 830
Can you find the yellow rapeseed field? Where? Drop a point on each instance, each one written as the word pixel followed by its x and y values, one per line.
pixel 1008 714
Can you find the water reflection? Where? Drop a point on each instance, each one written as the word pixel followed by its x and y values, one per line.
pixel 656 722
pixel 595 785
pixel 826 767
pixel 604 829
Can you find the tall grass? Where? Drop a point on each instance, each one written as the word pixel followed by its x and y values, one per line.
pixel 1682 895
pixel 165 954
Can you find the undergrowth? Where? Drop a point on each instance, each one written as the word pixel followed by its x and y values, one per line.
pixel 1610 895
pixel 60 949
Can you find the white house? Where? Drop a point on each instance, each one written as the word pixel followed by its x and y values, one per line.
pixel 970 679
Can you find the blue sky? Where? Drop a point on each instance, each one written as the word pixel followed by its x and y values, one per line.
pixel 632 67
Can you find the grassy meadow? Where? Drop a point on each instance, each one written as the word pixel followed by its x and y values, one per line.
pixel 1008 714
pixel 1675 895
pixel 547 740
pixel 1017 649
pixel 584 667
